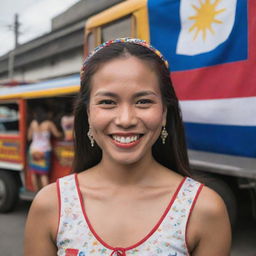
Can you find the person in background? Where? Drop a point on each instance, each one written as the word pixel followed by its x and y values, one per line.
pixel 131 193
pixel 67 124
pixel 40 131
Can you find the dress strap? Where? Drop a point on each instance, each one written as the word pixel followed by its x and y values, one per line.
pixel 67 188
pixel 70 212
pixel 181 210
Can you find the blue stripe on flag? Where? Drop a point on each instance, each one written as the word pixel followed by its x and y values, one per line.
pixel 225 139
pixel 165 26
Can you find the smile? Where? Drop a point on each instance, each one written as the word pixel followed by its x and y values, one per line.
pixel 125 139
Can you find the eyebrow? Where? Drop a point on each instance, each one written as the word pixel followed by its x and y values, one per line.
pixel 145 93
pixel 104 93
pixel 114 95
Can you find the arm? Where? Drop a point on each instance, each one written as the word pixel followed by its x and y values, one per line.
pixel 53 129
pixel 42 223
pixel 30 131
pixel 210 226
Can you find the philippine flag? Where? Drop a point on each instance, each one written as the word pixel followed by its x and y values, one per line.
pixel 199 33
pixel 211 48
pixel 204 25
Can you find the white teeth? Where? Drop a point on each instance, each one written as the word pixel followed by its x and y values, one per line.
pixel 125 140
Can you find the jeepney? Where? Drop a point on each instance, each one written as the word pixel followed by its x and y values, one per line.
pixel 16 108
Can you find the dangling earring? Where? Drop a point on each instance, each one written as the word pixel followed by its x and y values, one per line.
pixel 89 134
pixel 164 135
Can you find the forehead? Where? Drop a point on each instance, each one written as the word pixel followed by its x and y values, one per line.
pixel 125 73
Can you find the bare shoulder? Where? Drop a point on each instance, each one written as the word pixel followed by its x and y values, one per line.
pixel 44 208
pixel 50 122
pixel 47 123
pixel 42 223
pixel 33 124
pixel 209 204
pixel 209 226
pixel 46 197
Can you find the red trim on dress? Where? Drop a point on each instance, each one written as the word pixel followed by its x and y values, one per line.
pixel 59 205
pixel 191 209
pixel 141 241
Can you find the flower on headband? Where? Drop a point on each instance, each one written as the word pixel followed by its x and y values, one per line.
pixel 125 40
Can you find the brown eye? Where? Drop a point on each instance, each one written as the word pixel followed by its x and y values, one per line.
pixel 106 102
pixel 144 101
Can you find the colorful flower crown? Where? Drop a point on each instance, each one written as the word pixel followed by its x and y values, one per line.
pixel 124 40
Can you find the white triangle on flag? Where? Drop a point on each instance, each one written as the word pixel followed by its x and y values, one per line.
pixel 205 24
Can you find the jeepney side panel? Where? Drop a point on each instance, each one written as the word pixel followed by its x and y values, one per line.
pixel 13 144
pixel 62 159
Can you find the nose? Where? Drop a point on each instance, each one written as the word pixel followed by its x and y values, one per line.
pixel 126 116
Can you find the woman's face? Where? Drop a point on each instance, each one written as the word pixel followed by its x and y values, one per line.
pixel 126 111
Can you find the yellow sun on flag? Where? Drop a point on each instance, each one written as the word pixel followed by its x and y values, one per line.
pixel 205 16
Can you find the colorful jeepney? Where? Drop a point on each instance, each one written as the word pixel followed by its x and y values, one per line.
pixel 16 108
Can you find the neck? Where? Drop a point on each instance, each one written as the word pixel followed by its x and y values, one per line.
pixel 130 174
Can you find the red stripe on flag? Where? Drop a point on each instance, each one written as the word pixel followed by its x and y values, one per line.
pixel 229 80
pixel 252 28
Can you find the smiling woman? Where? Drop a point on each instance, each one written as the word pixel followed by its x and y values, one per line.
pixel 131 193
pixel 125 126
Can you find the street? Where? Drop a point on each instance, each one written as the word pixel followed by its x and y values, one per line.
pixel 12 228
pixel 244 239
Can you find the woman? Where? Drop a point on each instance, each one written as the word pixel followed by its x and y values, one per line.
pixel 40 131
pixel 130 194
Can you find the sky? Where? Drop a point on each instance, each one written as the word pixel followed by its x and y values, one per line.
pixel 35 18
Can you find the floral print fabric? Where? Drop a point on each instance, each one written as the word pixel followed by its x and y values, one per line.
pixel 76 238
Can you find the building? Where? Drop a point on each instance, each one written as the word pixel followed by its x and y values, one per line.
pixel 57 53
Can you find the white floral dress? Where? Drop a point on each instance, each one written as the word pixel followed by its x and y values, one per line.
pixel 76 236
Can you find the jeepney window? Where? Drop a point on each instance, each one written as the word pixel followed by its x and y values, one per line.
pixel 118 28
pixel 56 107
pixel 90 42
pixel 9 118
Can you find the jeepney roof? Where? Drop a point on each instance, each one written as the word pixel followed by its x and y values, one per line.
pixel 115 12
pixel 53 87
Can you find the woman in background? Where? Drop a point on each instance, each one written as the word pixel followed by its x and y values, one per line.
pixel 40 131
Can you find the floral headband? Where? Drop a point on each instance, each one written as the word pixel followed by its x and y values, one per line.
pixel 124 40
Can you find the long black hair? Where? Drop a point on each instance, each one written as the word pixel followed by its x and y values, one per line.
pixel 40 114
pixel 172 154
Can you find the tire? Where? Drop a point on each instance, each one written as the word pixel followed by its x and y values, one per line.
pixel 223 189
pixel 9 191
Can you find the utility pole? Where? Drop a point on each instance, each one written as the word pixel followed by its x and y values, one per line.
pixel 16 31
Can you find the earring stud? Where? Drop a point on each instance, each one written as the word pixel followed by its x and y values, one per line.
pixel 164 135
pixel 89 134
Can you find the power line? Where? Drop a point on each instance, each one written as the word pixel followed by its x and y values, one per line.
pixel 15 28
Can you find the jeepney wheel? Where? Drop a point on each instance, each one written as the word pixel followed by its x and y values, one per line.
pixel 9 192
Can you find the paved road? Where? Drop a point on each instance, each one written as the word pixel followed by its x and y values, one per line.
pixel 12 227
pixel 11 230
pixel 244 239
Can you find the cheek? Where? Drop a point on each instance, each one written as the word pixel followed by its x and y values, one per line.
pixel 98 119
pixel 153 119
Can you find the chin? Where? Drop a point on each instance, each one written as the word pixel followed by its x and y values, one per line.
pixel 127 159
